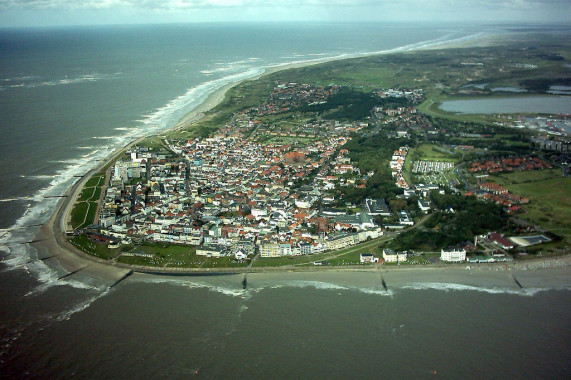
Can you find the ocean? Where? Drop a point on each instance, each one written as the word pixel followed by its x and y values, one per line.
pixel 70 96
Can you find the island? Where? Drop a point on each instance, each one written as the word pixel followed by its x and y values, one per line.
pixel 352 164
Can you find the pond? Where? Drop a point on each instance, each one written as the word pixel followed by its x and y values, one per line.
pixel 527 104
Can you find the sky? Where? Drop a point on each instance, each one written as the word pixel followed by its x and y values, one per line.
pixel 37 13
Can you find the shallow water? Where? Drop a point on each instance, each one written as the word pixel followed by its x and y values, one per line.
pixel 297 328
pixel 526 104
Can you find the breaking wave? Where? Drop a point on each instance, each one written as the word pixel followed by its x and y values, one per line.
pixel 36 81
pixel 447 287
pixel 16 199
pixel 66 315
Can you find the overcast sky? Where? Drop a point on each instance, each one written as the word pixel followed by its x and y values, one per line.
pixel 88 12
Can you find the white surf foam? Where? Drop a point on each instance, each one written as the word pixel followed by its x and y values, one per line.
pixel 447 287
pixel 176 108
pixel 411 47
pixel 375 291
pixel 191 283
pixel 37 176
pixel 16 199
pixel 332 286
pixel 66 315
pixel 49 279
pixel 68 162
pixel 29 81
pixel 316 285
pixel 39 211
pixel 90 153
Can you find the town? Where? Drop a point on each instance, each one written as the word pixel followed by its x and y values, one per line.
pixel 254 189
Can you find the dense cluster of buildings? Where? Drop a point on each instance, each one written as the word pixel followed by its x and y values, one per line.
pixel 491 191
pixel 228 195
pixel 560 126
pixel 288 96
pixel 510 165
pixel 415 94
pixel 397 166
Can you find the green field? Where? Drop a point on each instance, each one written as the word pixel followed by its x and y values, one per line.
pixel 85 208
pixel 83 243
pixel 153 143
pixel 83 214
pixel 525 177
pixel 550 203
pixel 351 258
pixel 78 214
pixel 549 194
pixel 431 152
pixel 96 180
pixel 176 256
pixel 164 255
pixel 289 260
pixel 141 261
pixel 90 194
pixel 374 76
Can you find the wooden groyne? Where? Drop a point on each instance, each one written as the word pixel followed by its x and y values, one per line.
pixel 384 283
pixel 517 282
pixel 72 273
pixel 128 274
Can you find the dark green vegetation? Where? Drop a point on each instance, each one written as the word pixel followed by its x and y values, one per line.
pixel 470 217
pixel 350 104
pixel 542 85
pixel 372 154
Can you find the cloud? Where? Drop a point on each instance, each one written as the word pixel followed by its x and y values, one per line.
pixel 209 4
pixel 79 12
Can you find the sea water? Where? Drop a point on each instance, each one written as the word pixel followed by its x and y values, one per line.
pixel 69 97
pixel 291 328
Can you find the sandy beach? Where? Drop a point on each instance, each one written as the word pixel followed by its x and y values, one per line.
pixel 554 272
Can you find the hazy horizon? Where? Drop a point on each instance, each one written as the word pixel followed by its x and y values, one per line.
pixel 42 13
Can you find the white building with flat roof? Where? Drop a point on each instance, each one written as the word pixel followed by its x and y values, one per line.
pixel 453 255
pixel 390 256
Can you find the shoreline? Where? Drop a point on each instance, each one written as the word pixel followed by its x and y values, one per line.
pixel 70 259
